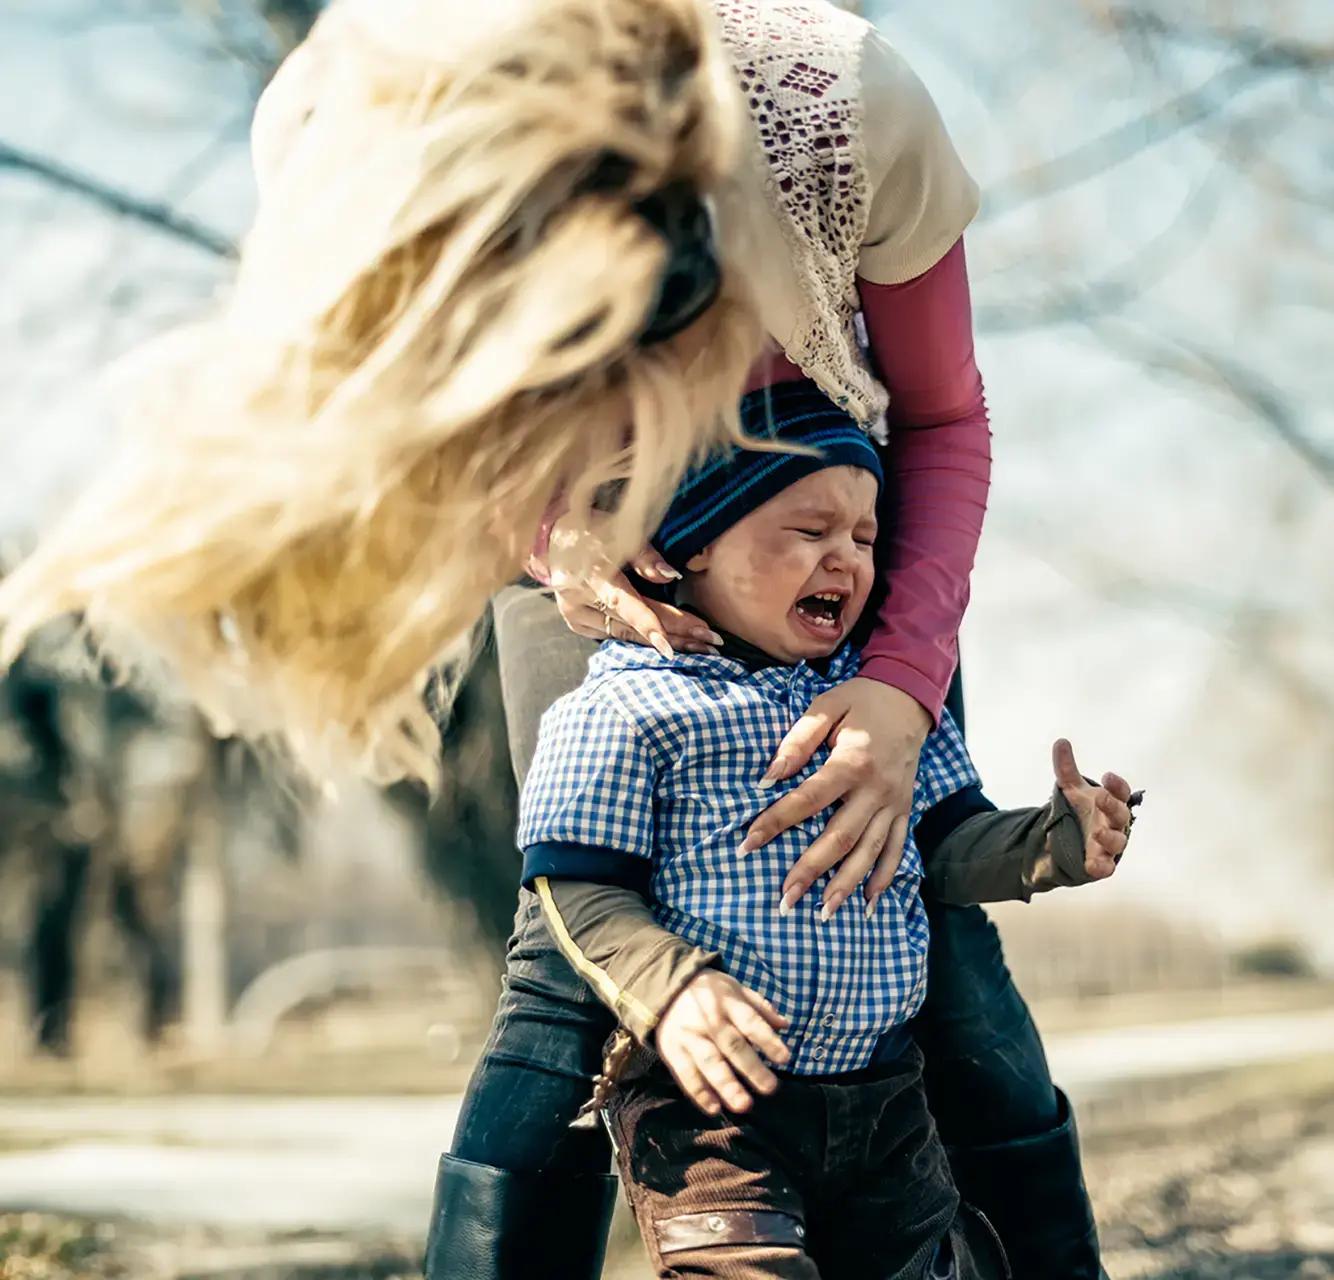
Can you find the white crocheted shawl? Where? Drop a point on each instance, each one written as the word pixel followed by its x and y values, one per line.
pixel 798 63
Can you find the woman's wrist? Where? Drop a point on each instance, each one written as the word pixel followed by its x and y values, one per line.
pixel 907 680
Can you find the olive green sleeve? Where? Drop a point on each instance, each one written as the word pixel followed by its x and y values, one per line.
pixel 608 934
pixel 1010 855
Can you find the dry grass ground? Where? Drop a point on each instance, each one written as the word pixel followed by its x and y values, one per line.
pixel 1225 1179
pixel 1231 1179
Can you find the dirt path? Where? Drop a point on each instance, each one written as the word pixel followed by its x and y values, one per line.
pixel 1237 1184
pixel 1226 1175
pixel 272 1163
pixel 368 1163
pixel 1089 1062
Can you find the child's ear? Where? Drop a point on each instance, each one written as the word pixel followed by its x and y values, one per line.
pixel 700 560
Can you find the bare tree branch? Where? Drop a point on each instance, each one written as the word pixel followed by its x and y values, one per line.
pixel 1128 140
pixel 1258 46
pixel 1117 289
pixel 1191 359
pixel 1248 143
pixel 1259 630
pixel 159 217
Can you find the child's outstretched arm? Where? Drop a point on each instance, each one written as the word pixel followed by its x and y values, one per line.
pixel 1005 855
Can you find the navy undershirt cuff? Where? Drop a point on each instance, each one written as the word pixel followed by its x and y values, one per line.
pixel 558 860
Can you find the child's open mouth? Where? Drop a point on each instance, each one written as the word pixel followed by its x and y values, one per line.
pixel 822 612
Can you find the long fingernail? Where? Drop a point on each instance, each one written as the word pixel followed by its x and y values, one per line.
pixel 749 845
pixel 667 571
pixel 827 910
pixel 709 637
pixel 659 642
pixel 785 907
pixel 870 906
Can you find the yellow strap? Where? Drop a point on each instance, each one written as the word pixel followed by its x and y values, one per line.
pixel 599 979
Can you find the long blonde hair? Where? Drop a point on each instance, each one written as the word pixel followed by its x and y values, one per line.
pixel 431 334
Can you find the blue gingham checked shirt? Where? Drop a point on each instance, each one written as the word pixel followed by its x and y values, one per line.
pixel 659 758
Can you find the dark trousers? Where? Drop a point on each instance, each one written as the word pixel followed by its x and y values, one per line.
pixel 537 1067
pixel 843 1178
pixel 985 1072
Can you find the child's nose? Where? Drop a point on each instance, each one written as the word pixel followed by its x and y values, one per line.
pixel 841 556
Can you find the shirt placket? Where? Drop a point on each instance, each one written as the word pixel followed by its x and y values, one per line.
pixel 819 1041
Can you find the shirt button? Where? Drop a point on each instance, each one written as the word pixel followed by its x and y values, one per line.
pixel 716 1223
pixel 818 1052
pixel 827 1020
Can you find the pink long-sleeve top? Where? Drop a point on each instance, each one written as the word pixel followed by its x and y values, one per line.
pixel 939 456
pixel 921 340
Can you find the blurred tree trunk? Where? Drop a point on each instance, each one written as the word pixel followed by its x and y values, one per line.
pixel 35 801
pixel 204 918
pixel 50 955
pixel 155 966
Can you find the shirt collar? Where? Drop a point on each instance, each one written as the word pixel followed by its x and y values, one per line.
pixel 753 658
pixel 737 661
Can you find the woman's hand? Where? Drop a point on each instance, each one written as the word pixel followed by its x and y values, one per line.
pixel 599 601
pixel 1104 812
pixel 711 1038
pixel 876 734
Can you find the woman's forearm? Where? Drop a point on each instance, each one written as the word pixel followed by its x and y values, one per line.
pixel 921 343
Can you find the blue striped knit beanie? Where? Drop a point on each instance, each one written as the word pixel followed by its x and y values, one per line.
pixel 728 487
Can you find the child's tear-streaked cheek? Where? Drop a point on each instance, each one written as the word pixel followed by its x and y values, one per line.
pixel 772 558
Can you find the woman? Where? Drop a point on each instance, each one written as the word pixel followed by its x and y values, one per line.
pixel 514 1150
pixel 359 449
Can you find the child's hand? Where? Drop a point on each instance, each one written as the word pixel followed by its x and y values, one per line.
pixel 709 1036
pixel 1104 812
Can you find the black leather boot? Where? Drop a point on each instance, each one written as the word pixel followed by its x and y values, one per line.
pixel 1032 1191
pixel 489 1224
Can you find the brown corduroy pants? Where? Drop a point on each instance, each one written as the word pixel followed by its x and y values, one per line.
pixel 832 1178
